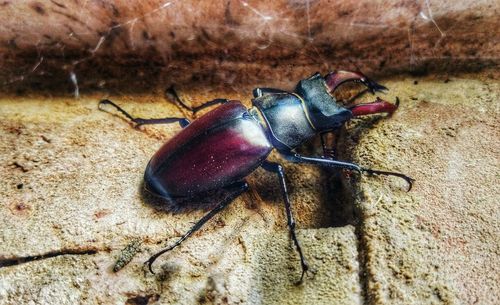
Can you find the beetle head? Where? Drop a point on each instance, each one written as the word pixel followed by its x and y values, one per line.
pixel 323 109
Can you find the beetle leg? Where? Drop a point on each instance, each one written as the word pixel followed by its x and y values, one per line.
pixel 238 187
pixel 258 92
pixel 294 157
pixel 176 96
pixel 278 169
pixel 329 150
pixel 140 121
pixel 337 78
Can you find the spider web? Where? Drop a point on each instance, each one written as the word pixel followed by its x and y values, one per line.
pixel 289 31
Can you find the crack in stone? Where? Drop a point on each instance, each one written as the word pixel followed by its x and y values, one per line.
pixel 357 220
pixel 26 259
pixel 349 190
pixel 362 261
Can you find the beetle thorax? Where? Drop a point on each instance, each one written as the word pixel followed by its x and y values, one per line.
pixel 285 119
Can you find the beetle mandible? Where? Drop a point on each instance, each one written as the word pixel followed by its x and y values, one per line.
pixel 219 149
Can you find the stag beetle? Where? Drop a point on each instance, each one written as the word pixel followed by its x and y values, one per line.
pixel 219 149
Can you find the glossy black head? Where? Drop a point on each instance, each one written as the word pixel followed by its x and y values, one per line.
pixel 323 110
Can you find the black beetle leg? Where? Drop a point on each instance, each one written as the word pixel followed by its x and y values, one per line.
pixel 238 187
pixel 294 157
pixel 278 169
pixel 140 121
pixel 176 96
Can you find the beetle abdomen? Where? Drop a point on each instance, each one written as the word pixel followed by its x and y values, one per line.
pixel 219 148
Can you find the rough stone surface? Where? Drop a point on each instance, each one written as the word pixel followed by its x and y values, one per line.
pixel 439 243
pixel 249 269
pixel 71 200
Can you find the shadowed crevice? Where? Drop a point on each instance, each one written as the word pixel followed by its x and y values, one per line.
pixel 350 186
pixel 362 260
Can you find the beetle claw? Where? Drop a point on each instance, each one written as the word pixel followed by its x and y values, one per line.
pixel 301 280
pixel 373 86
pixel 409 180
pixel 410 183
pixel 150 262
pixel 305 271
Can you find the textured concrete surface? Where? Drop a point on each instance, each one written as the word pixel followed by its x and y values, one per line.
pixel 439 243
pixel 70 200
pixel 214 269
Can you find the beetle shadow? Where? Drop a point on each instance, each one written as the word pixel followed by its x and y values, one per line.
pixel 337 206
pixel 349 139
pixel 361 124
pixel 327 206
pixel 204 201
pixel 339 194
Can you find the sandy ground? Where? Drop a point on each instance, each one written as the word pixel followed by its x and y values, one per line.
pixel 71 200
